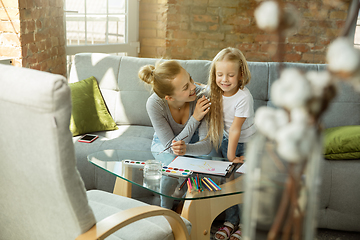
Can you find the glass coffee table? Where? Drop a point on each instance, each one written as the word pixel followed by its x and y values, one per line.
pixel 200 208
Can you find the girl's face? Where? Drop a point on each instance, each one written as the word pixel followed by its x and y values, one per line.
pixel 184 87
pixel 227 76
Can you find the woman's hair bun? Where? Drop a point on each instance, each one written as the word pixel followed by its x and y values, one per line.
pixel 146 73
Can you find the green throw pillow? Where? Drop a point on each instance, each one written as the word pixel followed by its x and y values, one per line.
pixel 89 111
pixel 342 142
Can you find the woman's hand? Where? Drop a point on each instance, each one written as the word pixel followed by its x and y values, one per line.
pixel 202 108
pixel 178 147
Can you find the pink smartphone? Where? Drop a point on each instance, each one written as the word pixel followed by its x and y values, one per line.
pixel 88 138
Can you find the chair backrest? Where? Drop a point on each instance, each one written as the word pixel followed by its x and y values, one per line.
pixel 42 194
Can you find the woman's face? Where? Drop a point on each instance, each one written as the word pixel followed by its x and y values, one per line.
pixel 184 87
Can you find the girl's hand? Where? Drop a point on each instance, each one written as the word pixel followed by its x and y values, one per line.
pixel 202 108
pixel 240 159
pixel 178 147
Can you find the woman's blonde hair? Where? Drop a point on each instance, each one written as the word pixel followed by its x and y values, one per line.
pixel 160 76
pixel 215 116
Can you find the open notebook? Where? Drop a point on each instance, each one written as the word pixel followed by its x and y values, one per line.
pixel 202 165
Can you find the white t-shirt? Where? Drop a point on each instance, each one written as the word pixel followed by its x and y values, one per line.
pixel 241 104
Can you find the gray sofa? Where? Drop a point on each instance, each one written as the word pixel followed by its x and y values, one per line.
pixel 126 95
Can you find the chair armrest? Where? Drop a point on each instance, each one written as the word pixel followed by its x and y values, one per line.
pixel 111 224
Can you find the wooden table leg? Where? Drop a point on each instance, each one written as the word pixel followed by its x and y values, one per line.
pixel 201 213
pixel 122 188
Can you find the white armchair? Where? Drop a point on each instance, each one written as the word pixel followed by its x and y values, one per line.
pixel 42 193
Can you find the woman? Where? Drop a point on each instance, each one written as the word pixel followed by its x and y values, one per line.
pixel 175 109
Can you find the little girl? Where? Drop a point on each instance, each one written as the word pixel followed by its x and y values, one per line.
pixel 231 118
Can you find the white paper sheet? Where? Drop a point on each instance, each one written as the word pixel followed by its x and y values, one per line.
pixel 201 165
pixel 242 168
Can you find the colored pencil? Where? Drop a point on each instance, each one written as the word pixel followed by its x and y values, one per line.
pixel 194 183
pixel 210 183
pixel 201 186
pixel 188 184
pixel 206 185
pixel 182 185
pixel 198 182
pixel 214 184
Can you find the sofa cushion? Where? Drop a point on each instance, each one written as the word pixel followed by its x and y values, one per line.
pixel 89 111
pixel 342 142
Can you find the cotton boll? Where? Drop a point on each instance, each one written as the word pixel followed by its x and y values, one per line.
pixel 282 117
pixel 291 132
pixel 267 15
pixel 286 143
pixel 289 152
pixel 288 139
pixel 342 57
pixel 265 122
pixel 299 115
pixel 318 80
pixel 299 91
pixel 291 90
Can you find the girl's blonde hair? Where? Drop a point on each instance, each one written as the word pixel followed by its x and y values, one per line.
pixel 215 116
pixel 160 76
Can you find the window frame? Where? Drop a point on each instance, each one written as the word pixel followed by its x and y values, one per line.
pixel 131 47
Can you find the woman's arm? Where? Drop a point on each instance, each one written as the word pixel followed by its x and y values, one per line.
pixel 161 123
pixel 234 135
pixel 202 107
pixel 202 147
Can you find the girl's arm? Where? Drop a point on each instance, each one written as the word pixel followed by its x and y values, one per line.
pixel 234 135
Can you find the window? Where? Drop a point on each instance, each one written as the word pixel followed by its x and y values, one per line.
pixel 107 26
pixel 357 34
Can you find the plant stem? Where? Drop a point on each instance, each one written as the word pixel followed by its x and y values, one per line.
pixel 275 158
pixel 293 204
pixel 283 206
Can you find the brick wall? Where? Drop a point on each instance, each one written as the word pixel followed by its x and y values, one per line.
pixel 200 29
pixel 152 28
pixel 40 27
pixel 179 29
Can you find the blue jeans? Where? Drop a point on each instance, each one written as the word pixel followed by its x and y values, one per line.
pixel 156 147
pixel 168 185
pixel 232 214
pixel 240 149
